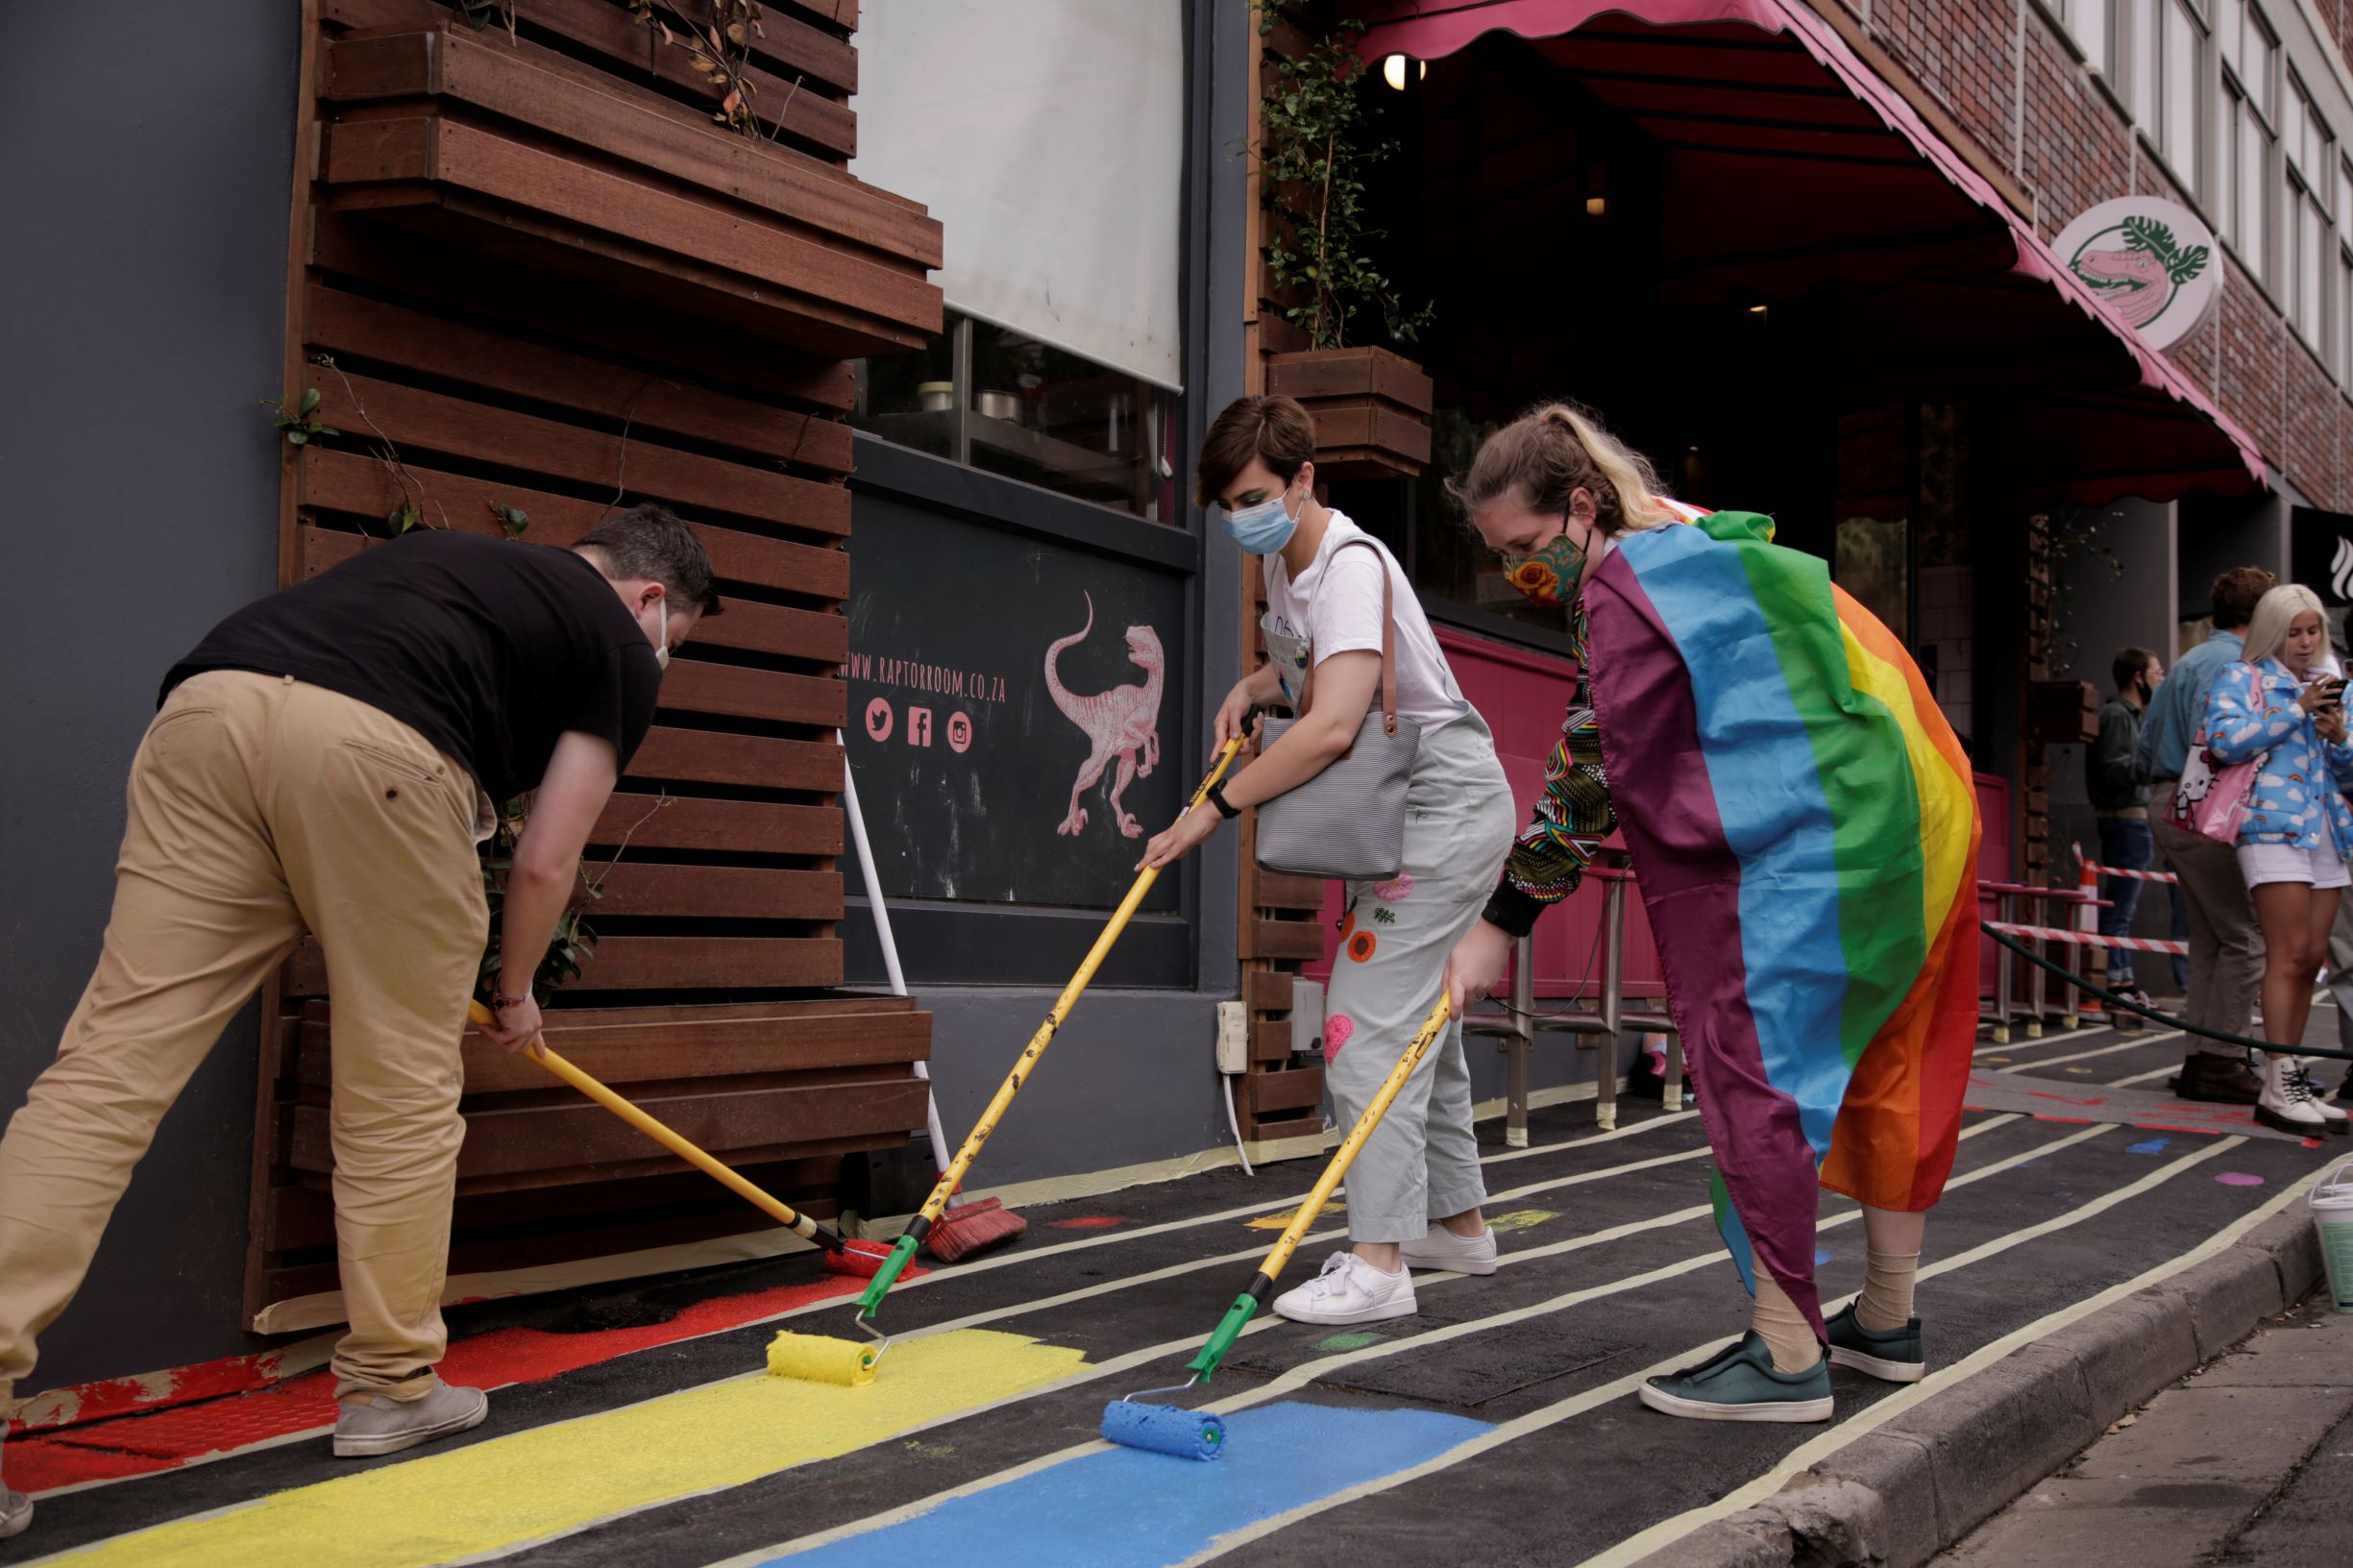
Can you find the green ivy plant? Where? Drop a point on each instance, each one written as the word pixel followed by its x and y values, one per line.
pixel 293 417
pixel 1309 161
pixel 574 940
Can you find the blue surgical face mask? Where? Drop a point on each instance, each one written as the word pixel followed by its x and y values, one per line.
pixel 1263 529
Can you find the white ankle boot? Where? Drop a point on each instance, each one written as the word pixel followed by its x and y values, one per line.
pixel 2288 1103
pixel 2338 1120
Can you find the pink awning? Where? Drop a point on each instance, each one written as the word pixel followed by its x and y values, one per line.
pixel 1838 177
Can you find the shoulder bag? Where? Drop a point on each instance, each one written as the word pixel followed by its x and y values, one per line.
pixel 2210 798
pixel 1349 821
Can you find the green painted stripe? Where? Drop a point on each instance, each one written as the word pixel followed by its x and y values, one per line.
pixel 1866 775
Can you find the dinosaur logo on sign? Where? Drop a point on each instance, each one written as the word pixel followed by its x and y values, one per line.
pixel 2138 268
pixel 2149 261
pixel 1119 722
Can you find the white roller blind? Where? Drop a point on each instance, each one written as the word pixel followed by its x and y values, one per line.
pixel 1047 135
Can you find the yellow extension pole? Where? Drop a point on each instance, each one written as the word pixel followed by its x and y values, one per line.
pixel 1261 1285
pixel 952 1177
pixel 668 1137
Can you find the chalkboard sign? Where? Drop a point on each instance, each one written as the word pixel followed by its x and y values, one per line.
pixel 1014 711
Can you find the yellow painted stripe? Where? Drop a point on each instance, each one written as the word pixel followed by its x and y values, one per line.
pixel 510 1491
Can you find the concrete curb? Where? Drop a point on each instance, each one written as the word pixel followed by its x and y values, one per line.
pixel 1897 1496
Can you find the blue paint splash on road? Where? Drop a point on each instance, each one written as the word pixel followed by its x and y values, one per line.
pixel 2155 1145
pixel 1129 1510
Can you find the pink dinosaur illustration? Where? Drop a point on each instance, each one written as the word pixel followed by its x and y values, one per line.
pixel 1120 722
pixel 2135 284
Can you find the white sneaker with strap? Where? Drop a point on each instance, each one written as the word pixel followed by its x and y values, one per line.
pixel 1349 1290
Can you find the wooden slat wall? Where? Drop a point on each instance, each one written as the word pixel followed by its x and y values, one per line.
pixel 533 273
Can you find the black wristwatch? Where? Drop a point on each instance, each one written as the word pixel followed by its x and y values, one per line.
pixel 1217 799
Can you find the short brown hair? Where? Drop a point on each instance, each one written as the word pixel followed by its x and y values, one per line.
pixel 1277 432
pixel 2130 665
pixel 654 543
pixel 2235 593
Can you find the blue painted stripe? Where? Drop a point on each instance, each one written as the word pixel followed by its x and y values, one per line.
pixel 1129 1510
pixel 1777 818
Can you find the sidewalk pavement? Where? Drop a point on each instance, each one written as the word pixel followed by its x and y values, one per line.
pixel 1897 1496
pixel 2249 1460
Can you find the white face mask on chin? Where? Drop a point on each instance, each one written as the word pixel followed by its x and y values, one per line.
pixel 661 636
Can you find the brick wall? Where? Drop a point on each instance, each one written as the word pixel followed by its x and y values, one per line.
pixel 2068 146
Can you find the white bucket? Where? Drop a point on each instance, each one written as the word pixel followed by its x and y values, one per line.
pixel 2331 1218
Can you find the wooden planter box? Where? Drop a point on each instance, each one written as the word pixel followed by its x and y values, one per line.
pixel 781 1090
pixel 2062 712
pixel 515 149
pixel 1371 409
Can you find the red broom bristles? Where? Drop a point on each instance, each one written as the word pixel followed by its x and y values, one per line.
pixel 973 1227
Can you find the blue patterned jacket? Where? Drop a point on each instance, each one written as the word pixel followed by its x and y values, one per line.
pixel 2298 797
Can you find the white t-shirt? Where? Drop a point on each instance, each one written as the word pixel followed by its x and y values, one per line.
pixel 1334 607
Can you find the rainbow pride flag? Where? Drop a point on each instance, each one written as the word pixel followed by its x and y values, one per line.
pixel 1803 828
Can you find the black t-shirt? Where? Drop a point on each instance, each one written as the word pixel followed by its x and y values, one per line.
pixel 488 649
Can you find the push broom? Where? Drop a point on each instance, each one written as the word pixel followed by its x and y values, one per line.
pixel 806 1356
pixel 952 1177
pixel 964 1228
pixel 1201 1434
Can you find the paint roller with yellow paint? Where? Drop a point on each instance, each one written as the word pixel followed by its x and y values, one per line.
pixel 816 1358
pixel 952 1178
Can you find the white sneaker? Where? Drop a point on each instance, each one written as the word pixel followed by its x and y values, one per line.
pixel 1442 1248
pixel 2287 1102
pixel 1349 1290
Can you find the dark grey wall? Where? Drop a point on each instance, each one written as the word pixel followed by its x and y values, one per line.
pixel 143 264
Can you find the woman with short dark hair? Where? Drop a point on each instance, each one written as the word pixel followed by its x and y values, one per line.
pixel 1335 597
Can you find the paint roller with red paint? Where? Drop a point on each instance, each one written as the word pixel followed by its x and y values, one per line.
pixel 791 1354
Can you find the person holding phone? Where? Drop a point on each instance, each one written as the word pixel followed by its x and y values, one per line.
pixel 2279 707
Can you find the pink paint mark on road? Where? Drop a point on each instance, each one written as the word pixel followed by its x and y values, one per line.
pixel 2239 1178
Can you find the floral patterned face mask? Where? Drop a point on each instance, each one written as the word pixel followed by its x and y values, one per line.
pixel 1551 573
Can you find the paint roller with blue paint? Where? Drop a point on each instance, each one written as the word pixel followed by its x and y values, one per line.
pixel 1200 1435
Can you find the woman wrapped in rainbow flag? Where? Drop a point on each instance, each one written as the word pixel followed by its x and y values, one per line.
pixel 1804 827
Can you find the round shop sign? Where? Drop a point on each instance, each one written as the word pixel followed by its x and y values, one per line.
pixel 2153 261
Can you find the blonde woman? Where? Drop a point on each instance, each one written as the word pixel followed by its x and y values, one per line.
pixel 1803 835
pixel 2280 706
pixel 1415 1191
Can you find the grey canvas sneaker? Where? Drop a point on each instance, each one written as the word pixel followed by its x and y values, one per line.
pixel 373 1424
pixel 15 1511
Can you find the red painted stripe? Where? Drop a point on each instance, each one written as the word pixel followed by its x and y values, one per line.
pixel 1086 1223
pixel 146 1443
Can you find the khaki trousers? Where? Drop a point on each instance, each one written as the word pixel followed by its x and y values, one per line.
pixel 259 806
pixel 2226 954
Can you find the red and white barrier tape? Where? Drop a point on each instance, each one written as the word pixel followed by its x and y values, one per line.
pixel 2132 877
pixel 2087 938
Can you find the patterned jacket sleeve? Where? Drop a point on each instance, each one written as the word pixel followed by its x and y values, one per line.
pixel 1572 818
pixel 2242 719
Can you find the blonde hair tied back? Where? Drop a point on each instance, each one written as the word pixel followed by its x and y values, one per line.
pixel 1552 452
pixel 2274 613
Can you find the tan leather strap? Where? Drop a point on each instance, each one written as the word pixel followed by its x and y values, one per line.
pixel 1388 639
